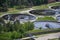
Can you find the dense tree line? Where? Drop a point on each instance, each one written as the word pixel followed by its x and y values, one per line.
pixel 4 4
pixel 14 30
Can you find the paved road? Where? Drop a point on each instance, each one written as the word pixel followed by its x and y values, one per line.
pixel 48 36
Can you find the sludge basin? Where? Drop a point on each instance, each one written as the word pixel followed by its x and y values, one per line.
pixel 43 12
pixel 46 24
pixel 20 17
pixel 55 7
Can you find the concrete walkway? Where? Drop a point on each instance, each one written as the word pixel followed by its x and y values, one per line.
pixel 48 36
pixel 44 36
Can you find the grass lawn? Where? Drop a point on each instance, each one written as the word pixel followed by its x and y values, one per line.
pixel 44 31
pixel 46 18
pixel 46 6
pixel 13 11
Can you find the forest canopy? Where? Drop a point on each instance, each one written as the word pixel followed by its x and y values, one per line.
pixel 4 4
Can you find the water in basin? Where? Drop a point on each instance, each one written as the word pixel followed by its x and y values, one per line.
pixel 43 25
pixel 20 17
pixel 42 12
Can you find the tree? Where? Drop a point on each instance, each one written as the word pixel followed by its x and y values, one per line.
pixel 28 26
pixel 3 6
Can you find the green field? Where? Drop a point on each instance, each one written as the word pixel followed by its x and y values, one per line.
pixel 46 6
pixel 46 18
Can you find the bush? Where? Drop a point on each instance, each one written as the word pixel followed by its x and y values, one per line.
pixel 10 35
pixel 5 36
pixel 28 26
pixel 16 35
pixel 15 30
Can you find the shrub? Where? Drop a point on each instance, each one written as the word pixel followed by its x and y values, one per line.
pixel 28 26
pixel 11 35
